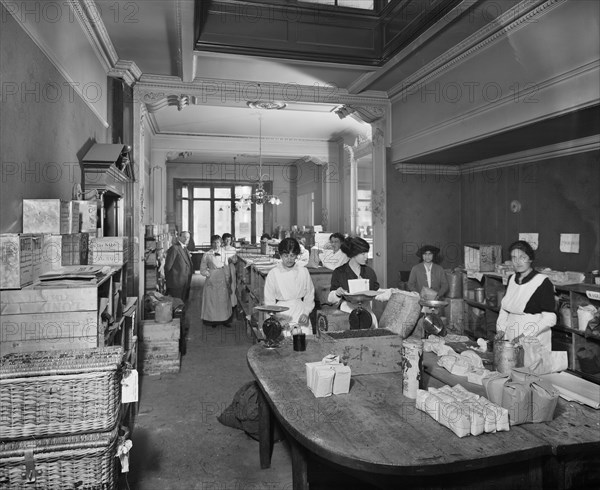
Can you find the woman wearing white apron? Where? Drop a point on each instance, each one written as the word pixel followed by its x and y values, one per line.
pixel 528 307
pixel 216 300
pixel 290 285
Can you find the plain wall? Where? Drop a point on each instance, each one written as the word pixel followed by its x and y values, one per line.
pixel 43 134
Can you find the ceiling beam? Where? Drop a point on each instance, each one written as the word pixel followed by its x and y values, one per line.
pixel 365 81
pixel 185 28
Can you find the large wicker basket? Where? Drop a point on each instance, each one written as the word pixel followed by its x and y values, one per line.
pixel 53 393
pixel 85 461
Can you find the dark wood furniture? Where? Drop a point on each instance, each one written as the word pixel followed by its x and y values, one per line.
pixel 375 436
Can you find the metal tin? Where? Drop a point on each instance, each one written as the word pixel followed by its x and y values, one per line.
pixel 412 366
pixel 480 295
pixel 507 356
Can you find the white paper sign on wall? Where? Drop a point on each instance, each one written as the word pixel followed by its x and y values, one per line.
pixel 569 243
pixel 531 238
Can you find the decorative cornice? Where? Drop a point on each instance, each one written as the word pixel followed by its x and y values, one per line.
pixel 91 22
pixel 527 93
pixel 517 17
pixel 238 92
pixel 566 148
pixel 128 71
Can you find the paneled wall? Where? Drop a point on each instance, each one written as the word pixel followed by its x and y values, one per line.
pixel 560 195
pixel 421 209
pixel 45 128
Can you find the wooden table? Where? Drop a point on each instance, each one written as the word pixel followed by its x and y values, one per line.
pixel 573 434
pixel 375 434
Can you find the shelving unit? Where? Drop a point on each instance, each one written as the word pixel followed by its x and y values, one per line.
pixel 583 349
pixel 479 319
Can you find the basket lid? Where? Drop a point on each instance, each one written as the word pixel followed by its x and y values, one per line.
pixel 47 363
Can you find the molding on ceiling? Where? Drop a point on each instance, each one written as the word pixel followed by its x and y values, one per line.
pixel 128 71
pixel 367 79
pixel 92 25
pixel 565 148
pixel 186 61
pixel 517 17
pixel 152 88
pixel 535 89
pixel 49 53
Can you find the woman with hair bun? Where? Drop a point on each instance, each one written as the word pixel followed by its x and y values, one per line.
pixel 528 307
pixel 357 249
pixel 289 284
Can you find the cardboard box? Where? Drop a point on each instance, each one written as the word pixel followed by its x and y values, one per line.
pixel 88 215
pixel 74 249
pixel 16 264
pixel 366 351
pixel 482 257
pixel 108 250
pixel 50 216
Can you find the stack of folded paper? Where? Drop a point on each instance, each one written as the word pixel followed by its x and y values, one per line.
pixel 327 377
pixel 461 411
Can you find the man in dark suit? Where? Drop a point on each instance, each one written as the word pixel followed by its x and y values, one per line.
pixel 179 268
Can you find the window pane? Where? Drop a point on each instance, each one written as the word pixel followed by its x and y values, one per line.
pixel 184 191
pixel 185 215
pixel 357 4
pixel 258 227
pixel 202 223
pixel 222 217
pixel 242 190
pixel 243 221
pixel 222 192
pixel 202 192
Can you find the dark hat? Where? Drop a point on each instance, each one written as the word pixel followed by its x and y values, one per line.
pixel 427 248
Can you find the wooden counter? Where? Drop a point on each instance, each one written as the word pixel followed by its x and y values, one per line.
pixel 573 435
pixel 376 435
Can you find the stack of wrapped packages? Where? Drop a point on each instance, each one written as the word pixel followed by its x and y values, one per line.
pixel 461 411
pixel 512 399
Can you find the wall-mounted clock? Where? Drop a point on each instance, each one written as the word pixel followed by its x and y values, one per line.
pixel 515 206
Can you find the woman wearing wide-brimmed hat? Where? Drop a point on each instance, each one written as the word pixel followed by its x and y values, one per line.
pixel 427 273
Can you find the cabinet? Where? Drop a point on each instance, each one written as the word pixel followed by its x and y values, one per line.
pixel 583 349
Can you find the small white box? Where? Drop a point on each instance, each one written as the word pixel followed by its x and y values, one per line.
pixel 341 381
pixel 322 382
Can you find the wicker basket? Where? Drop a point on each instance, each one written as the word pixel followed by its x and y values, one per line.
pixel 53 393
pixel 84 461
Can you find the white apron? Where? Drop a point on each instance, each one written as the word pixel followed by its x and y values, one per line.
pixel 519 322
pixel 291 297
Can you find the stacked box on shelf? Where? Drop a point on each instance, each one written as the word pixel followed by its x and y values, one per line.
pixel 50 216
pixel 158 347
pixel 88 215
pixel 75 249
pixel 58 418
pixel 108 250
pixel 16 266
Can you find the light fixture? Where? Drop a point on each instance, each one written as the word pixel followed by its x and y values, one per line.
pixel 260 195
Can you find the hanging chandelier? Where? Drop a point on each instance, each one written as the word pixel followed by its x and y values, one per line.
pixel 260 195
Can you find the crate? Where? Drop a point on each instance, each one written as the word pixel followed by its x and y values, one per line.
pixel 368 351
pixel 44 394
pixel 85 461
pixel 159 347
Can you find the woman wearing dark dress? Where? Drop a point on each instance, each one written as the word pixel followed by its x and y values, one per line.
pixel 357 250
